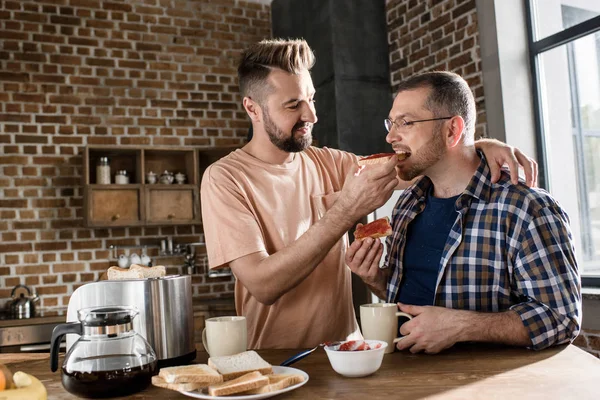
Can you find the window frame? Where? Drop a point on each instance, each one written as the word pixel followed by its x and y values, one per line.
pixel 536 49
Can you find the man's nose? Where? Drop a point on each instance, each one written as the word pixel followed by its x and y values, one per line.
pixel 309 114
pixel 391 137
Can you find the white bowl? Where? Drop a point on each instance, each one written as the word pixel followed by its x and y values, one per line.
pixel 356 364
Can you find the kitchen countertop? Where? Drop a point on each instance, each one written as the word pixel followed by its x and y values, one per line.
pixel 52 316
pixel 33 321
pixel 465 371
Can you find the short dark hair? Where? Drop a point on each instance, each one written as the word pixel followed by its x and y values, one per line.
pixel 293 56
pixel 450 95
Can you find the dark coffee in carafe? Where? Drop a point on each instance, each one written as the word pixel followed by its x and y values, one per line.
pixel 113 383
pixel 109 359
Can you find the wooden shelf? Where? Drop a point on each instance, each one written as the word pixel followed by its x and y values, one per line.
pixel 141 203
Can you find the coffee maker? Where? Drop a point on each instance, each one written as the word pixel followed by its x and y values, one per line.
pixel 165 317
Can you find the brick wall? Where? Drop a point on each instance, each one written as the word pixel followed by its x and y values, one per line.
pixel 443 35
pixel 121 72
pixel 436 35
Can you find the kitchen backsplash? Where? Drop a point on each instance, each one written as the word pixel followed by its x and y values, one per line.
pixel 93 72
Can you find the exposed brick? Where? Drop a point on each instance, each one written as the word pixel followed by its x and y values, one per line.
pixel 82 41
pixel 148 47
pixel 50 246
pixel 14 76
pixel 31 17
pixel 107 5
pixel 32 269
pixel 70 267
pixel 33 98
pixel 63 20
pixel 16 203
pixel 30 139
pixel 75 100
pixel 15 247
pixel 105 62
pixel 45 290
pixel 111 73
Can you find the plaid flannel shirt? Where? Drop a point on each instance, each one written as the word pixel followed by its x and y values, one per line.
pixel 510 248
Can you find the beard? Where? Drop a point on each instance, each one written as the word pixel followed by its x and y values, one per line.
pixel 282 140
pixel 429 154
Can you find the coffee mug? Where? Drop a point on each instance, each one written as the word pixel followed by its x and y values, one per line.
pixel 225 336
pixel 379 321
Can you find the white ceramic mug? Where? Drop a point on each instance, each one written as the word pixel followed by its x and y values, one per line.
pixel 379 321
pixel 225 336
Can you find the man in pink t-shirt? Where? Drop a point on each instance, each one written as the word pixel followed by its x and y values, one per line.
pixel 277 210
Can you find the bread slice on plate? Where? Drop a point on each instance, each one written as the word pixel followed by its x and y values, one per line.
pixel 240 364
pixel 277 382
pixel 250 381
pixel 182 387
pixel 195 373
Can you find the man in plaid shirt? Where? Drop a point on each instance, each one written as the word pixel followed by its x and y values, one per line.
pixel 471 260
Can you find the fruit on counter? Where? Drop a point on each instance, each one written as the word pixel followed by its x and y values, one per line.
pixel 21 379
pixel 6 378
pixel 35 391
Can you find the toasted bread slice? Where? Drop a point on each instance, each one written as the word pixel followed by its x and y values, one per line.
pixel 157 271
pixel 277 382
pixel 186 387
pixel 195 373
pixel 379 228
pixel 381 158
pixel 250 381
pixel 136 271
pixel 116 273
pixel 240 364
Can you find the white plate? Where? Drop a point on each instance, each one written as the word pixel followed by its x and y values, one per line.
pixel 276 370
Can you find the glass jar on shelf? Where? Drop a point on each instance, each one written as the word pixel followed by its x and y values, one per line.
pixel 121 178
pixel 103 171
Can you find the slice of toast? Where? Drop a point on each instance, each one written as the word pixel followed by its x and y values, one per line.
pixel 157 271
pixel 277 382
pixel 195 373
pixel 250 381
pixel 136 271
pixel 379 228
pixel 186 387
pixel 240 364
pixel 116 273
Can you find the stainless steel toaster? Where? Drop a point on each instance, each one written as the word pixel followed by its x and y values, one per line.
pixel 165 317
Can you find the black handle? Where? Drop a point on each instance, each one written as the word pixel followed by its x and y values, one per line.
pixel 57 334
pixel 12 293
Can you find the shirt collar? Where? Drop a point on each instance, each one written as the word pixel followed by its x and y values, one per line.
pixel 479 186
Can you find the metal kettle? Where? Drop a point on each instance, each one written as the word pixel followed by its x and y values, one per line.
pixel 23 302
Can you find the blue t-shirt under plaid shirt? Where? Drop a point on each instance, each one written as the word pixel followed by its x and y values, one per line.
pixel 510 249
pixel 425 240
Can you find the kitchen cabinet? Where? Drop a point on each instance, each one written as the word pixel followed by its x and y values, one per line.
pixel 138 202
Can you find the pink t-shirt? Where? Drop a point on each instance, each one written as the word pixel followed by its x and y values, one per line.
pixel 250 206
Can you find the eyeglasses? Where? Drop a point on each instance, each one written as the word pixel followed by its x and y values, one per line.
pixel 402 123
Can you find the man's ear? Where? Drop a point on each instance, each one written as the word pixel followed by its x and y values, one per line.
pixel 455 129
pixel 253 109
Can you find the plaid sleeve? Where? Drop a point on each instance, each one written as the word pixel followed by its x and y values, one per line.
pixel 546 275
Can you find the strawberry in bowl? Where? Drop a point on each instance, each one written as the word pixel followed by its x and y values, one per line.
pixel 356 358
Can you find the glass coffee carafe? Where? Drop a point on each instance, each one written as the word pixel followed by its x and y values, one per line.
pixel 110 359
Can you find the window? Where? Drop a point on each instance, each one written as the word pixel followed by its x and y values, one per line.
pixel 565 59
